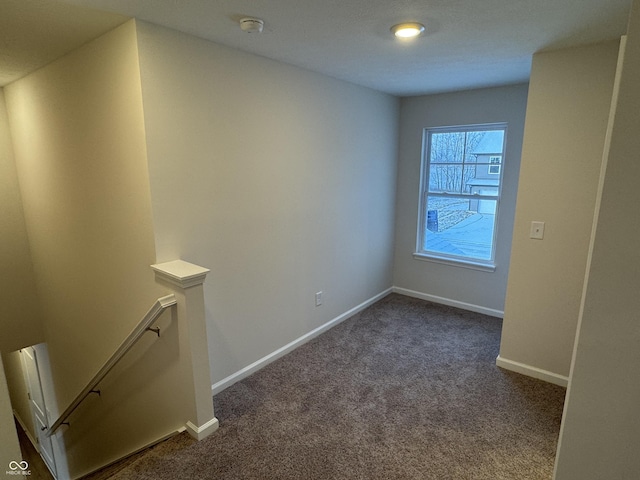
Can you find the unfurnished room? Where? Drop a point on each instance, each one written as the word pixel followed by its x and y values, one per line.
pixel 319 240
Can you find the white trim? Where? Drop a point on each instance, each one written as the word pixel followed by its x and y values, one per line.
pixel 534 372
pixel 203 431
pixel 425 192
pixel 180 273
pixel 455 262
pixel 447 301
pixel 264 361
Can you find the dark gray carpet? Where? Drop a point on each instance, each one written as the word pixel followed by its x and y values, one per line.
pixel 404 390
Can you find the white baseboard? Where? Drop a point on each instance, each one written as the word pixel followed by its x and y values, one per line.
pixel 264 361
pixel 530 371
pixel 202 431
pixel 451 303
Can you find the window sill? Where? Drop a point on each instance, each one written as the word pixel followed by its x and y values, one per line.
pixel 455 262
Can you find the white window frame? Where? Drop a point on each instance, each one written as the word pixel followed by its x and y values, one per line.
pixel 441 257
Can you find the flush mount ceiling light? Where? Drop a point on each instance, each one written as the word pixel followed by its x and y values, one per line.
pixel 408 30
pixel 251 25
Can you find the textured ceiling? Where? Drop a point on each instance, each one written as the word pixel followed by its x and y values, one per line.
pixel 467 44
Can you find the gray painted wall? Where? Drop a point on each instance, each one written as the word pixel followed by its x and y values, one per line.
pixel 280 180
pixel 462 285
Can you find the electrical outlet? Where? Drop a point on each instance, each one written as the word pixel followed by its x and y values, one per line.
pixel 318 299
pixel 537 230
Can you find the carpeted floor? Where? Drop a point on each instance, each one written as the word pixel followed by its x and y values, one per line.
pixel 404 390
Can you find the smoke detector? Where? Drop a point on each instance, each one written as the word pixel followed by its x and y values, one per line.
pixel 251 25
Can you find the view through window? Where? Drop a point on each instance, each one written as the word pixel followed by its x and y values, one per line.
pixel 462 173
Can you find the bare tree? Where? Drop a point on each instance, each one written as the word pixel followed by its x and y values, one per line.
pixel 452 160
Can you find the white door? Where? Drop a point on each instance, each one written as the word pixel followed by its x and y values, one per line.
pixel 38 406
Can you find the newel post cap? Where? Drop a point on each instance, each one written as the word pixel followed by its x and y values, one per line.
pixel 180 273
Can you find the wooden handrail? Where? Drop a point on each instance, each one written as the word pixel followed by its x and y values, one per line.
pixel 151 316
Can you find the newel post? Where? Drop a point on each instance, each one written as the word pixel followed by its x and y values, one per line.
pixel 186 280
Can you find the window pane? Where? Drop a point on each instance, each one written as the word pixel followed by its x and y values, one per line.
pixel 485 142
pixel 446 178
pixel 470 174
pixel 463 171
pixel 460 227
pixel 447 147
pixel 483 180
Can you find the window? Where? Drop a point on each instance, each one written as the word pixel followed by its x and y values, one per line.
pixel 494 168
pixel 460 194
